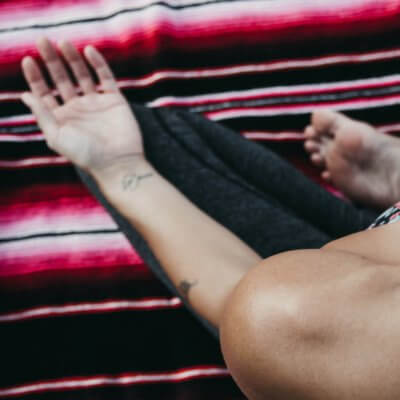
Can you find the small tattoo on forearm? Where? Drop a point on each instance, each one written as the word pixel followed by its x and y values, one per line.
pixel 185 286
pixel 131 181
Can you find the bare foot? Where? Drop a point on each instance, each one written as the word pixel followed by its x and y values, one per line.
pixel 362 162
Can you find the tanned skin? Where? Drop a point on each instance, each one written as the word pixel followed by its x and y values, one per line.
pixel 307 324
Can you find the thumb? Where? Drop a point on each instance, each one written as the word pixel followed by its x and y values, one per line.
pixel 44 116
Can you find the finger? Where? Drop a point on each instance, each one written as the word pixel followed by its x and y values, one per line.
pixel 103 71
pixel 78 66
pixel 57 69
pixel 44 116
pixel 326 175
pixel 37 83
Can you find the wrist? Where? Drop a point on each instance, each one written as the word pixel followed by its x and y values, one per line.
pixel 135 163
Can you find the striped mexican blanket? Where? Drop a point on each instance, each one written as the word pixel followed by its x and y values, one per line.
pixel 81 316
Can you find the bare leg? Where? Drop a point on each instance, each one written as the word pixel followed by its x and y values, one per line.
pixel 362 162
pixel 317 324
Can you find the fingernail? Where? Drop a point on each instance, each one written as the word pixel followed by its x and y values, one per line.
pixel 41 39
pixel 90 48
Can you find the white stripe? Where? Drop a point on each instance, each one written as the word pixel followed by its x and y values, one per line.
pixel 297 135
pixel 10 95
pixel 276 90
pixel 66 244
pixel 143 23
pixel 75 250
pixel 249 135
pixel 67 215
pixel 32 137
pixel 389 128
pixel 139 24
pixel 45 15
pixel 31 162
pixel 301 109
pixel 270 9
pixel 127 379
pixel 262 67
pixel 273 135
pixel 91 307
pixel 17 119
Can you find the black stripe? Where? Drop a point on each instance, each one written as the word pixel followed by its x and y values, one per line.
pixel 317 98
pixel 57 288
pixel 18 128
pixel 108 343
pixel 56 234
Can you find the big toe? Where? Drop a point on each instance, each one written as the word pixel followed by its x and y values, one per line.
pixel 325 122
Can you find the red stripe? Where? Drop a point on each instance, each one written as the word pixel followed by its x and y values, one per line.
pixel 268 29
pixel 10 6
pixel 46 192
pixel 66 252
pixel 138 274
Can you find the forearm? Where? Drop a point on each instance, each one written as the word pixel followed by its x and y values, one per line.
pixel 203 259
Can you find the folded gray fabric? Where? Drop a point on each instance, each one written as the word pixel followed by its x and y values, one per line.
pixel 247 188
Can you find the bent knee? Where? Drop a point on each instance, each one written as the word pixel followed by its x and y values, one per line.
pixel 291 317
pixel 263 321
pixel 283 314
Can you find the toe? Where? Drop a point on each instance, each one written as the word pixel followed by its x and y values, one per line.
pixel 310 132
pixel 326 175
pixel 317 159
pixel 312 146
pixel 325 122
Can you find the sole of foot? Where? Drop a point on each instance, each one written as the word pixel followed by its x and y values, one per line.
pixel 361 161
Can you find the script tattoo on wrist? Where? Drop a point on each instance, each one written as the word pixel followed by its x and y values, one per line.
pixel 131 181
pixel 185 286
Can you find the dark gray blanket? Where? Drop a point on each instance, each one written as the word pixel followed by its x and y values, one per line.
pixel 260 197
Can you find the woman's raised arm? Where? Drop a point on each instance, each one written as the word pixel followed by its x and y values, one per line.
pixel 97 131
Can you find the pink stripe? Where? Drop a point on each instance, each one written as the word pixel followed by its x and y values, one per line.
pixel 29 137
pixel 180 375
pixel 389 128
pixel 91 308
pixel 71 252
pixel 33 162
pixel 19 120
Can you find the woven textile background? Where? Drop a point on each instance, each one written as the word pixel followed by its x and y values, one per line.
pixel 81 315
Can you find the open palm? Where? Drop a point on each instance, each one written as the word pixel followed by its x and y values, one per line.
pixel 92 130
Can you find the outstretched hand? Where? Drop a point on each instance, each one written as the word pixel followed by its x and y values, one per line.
pixel 94 129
